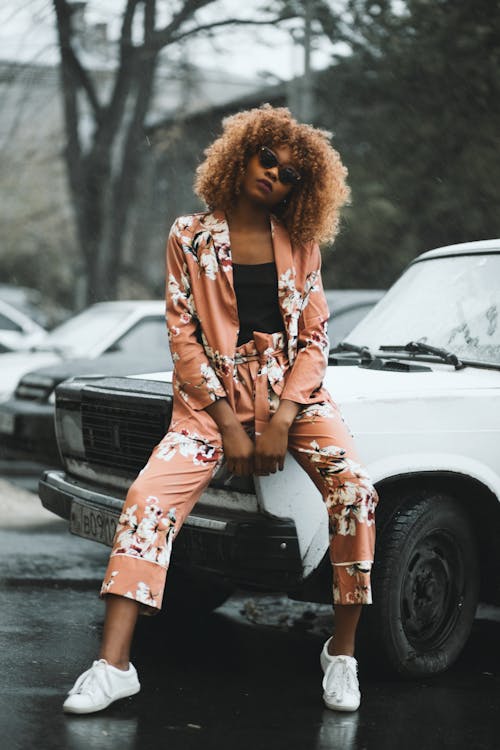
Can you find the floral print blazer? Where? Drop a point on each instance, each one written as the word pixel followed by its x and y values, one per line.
pixel 202 314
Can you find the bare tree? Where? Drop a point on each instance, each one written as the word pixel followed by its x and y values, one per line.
pixel 103 167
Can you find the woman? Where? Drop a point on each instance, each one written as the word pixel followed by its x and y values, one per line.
pixel 246 318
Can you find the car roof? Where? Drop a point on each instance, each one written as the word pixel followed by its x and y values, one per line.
pixel 144 306
pixel 340 299
pixel 463 248
pixel 18 315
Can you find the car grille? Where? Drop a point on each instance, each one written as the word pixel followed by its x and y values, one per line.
pixel 121 436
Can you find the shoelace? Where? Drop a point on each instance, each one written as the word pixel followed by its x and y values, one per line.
pixel 342 675
pixel 92 678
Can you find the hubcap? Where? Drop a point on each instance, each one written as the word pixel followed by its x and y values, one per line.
pixel 432 590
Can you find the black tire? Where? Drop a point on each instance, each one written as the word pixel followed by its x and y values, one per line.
pixel 189 595
pixel 425 584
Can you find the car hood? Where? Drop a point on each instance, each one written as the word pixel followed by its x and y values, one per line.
pixel 107 364
pixel 354 383
pixel 348 384
pixel 14 366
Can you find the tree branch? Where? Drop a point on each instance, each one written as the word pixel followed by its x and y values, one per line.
pixel 125 183
pixel 128 18
pixel 149 20
pixel 228 22
pixel 163 36
pixel 69 58
pixel 69 90
pixel 116 106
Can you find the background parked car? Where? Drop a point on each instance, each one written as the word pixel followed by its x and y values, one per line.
pixel 27 437
pixel 105 327
pixel 418 382
pixel 17 330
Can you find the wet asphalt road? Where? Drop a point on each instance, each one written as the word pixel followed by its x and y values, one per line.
pixel 246 677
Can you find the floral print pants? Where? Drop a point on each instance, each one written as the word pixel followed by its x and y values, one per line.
pixel 183 463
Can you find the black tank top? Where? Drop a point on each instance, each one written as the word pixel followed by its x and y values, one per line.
pixel 256 288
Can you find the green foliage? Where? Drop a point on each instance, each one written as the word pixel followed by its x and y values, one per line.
pixel 416 116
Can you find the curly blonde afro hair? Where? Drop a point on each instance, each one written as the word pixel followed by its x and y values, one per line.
pixel 311 212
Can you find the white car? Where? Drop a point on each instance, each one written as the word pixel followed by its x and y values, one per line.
pixel 17 330
pixel 98 329
pixel 418 383
pixel 347 307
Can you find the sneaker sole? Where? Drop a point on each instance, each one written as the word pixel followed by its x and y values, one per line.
pixel 346 709
pixel 101 706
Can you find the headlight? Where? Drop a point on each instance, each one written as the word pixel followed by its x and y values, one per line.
pixel 35 387
pixel 69 432
pixel 52 398
pixel 35 380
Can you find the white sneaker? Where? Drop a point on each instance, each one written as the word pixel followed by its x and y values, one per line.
pixel 340 683
pixel 99 686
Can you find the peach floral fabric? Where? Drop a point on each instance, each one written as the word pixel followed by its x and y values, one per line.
pixel 202 323
pixel 183 463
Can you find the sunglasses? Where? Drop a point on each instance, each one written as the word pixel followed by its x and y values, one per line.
pixel 268 160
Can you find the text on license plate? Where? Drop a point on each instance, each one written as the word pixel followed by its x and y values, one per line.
pixel 92 523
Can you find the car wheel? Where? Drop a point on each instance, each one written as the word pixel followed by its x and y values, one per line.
pixel 425 584
pixel 188 594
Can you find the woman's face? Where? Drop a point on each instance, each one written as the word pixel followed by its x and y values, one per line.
pixel 261 184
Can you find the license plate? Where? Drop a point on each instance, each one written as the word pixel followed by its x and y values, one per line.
pixel 92 523
pixel 7 423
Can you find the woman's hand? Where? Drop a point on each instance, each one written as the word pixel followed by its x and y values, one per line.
pixel 238 450
pixel 238 447
pixel 271 444
pixel 270 448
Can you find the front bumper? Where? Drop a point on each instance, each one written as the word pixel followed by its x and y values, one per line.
pixel 249 549
pixel 31 435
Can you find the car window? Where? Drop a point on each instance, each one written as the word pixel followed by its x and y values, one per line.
pixel 6 324
pixel 341 324
pixel 85 331
pixel 451 302
pixel 147 337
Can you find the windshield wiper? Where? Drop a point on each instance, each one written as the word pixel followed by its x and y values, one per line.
pixel 418 347
pixel 344 346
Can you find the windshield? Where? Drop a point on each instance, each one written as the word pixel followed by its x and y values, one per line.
pixel 147 338
pixel 79 335
pixel 453 303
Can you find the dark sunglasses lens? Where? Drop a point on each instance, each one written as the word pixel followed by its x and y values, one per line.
pixel 288 176
pixel 267 158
